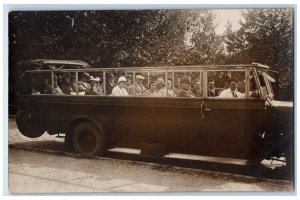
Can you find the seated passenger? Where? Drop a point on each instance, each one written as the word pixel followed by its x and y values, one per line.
pixel 232 90
pixel 34 87
pixel 129 82
pixel 171 92
pixel 197 89
pixel 94 89
pixel 151 92
pixel 59 81
pixel 185 86
pixel 120 90
pixel 138 88
pixel 83 84
pixel 110 83
pixel 211 90
pixel 45 87
pixel 67 85
pixel 160 87
pixel 56 88
pixel 73 85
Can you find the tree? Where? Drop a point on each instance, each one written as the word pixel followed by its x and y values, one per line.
pixel 265 36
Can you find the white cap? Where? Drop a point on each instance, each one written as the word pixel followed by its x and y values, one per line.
pixel 139 77
pixel 121 78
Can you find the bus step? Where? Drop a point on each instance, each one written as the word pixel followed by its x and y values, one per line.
pixel 125 150
pixel 207 158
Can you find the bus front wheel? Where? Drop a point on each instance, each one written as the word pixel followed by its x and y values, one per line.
pixel 88 139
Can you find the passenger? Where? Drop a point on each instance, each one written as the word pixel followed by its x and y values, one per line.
pixel 59 81
pixel 44 88
pixel 67 85
pixel 211 91
pixel 171 92
pixel 185 86
pixel 151 92
pixel 129 82
pixel 83 84
pixel 34 87
pixel 100 89
pixel 138 88
pixel 94 89
pixel 120 90
pixel 110 83
pixel 56 88
pixel 197 89
pixel 160 87
pixel 232 90
pixel 225 78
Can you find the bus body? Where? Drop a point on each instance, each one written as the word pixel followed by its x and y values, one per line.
pixel 241 130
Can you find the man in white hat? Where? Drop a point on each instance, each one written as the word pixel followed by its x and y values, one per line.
pixel 120 90
pixel 138 88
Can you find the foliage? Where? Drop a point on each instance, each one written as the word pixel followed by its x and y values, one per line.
pixel 153 38
pixel 265 36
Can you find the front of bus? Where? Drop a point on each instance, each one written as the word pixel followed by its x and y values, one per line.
pixel 279 134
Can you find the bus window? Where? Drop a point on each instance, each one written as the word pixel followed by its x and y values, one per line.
pixel 218 83
pixel 129 81
pixel 139 84
pixel 96 83
pixel 64 83
pixel 188 84
pixel 157 84
pixel 36 83
pixel 240 76
pixel 116 83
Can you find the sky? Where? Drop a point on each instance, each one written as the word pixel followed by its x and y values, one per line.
pixel 225 15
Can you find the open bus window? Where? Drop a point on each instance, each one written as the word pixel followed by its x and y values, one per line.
pixel 156 85
pixel 188 84
pixel 35 83
pixel 226 83
pixel 96 83
pixel 64 83
pixel 116 83
pixel 139 84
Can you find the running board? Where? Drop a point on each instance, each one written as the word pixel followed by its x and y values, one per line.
pixel 184 156
pixel 207 158
pixel 125 150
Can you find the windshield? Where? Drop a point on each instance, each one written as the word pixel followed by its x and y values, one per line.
pixel 265 83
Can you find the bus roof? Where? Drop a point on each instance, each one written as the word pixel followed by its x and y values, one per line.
pixel 190 67
pixel 52 61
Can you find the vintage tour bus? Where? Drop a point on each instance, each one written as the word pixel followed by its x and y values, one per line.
pixel 218 113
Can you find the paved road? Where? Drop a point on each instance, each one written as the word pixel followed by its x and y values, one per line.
pixel 46 171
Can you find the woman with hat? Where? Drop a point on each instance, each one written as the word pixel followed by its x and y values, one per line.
pixel 120 90
pixel 95 87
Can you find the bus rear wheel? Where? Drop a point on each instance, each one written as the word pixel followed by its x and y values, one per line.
pixel 27 127
pixel 88 139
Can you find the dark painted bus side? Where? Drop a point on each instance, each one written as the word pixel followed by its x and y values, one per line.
pixel 202 126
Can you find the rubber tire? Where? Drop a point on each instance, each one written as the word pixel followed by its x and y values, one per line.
pixel 25 126
pixel 84 133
